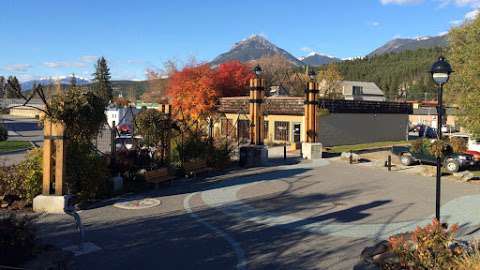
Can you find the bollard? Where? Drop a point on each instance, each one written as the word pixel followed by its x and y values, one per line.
pixel 351 157
pixel 389 163
pixel 284 151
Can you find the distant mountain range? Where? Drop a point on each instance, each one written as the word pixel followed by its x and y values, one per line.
pixel 404 44
pixel 63 80
pixel 315 59
pixel 254 48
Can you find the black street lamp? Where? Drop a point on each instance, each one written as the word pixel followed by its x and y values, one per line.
pixel 440 71
pixel 312 75
pixel 257 70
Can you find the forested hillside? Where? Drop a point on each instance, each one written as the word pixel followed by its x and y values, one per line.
pixel 395 72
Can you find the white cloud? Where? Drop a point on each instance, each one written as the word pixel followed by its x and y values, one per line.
pixel 89 58
pixel 460 3
pixel 307 49
pixel 17 67
pixel 400 2
pixel 472 15
pixel 64 64
pixel 374 24
pixel 135 62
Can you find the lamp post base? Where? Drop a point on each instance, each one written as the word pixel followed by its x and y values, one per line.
pixel 50 204
pixel 253 155
pixel 311 151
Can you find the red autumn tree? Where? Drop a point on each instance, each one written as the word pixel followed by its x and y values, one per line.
pixel 193 90
pixel 233 78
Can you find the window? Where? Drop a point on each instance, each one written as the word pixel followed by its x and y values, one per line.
pixel 226 127
pixel 357 90
pixel 243 130
pixel 265 129
pixel 282 130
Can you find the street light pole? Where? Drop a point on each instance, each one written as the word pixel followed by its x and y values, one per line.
pixel 440 71
pixel 439 159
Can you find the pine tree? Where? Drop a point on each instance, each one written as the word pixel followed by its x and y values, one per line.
pixel 464 85
pixel 102 85
pixel 12 88
pixel 2 86
pixel 73 81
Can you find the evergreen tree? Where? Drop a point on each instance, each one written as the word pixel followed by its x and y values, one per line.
pixel 403 73
pixel 73 81
pixel 102 85
pixel 2 86
pixel 12 88
pixel 464 85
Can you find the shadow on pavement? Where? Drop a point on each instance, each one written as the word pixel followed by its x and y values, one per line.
pixel 130 240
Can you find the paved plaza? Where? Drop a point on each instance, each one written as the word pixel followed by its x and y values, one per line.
pixel 300 216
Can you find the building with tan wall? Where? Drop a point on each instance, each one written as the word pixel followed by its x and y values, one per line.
pixel 347 121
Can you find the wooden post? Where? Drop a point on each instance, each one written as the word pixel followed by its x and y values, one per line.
pixel 311 112
pixel 47 157
pixel 256 110
pixel 58 134
pixel 53 140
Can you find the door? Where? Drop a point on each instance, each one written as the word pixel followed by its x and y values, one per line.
pixel 296 133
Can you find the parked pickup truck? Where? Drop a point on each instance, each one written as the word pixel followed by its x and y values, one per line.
pixel 453 162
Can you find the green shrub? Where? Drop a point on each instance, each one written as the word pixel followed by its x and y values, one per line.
pixel 87 172
pixel 3 133
pixel 468 261
pixel 25 179
pixel 458 144
pixel 440 148
pixel 17 240
pixel 421 146
pixel 428 248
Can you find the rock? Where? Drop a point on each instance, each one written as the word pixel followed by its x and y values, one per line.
pixel 18 205
pixel 464 176
pixel 346 156
pixel 384 258
pixel 429 171
pixel 379 248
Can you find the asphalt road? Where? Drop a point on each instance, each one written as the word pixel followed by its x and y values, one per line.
pixel 301 216
pixel 20 129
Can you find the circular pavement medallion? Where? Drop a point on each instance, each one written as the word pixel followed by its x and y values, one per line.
pixel 137 204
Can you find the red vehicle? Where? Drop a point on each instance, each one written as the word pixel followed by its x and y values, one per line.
pixel 124 129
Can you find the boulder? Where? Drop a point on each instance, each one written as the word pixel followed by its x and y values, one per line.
pixel 379 248
pixel 386 258
pixel 346 156
pixel 464 176
pixel 429 171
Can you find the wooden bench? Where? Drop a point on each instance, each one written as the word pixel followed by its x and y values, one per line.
pixel 192 168
pixel 158 176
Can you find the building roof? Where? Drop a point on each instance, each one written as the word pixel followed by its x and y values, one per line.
pixel 369 88
pixel 295 106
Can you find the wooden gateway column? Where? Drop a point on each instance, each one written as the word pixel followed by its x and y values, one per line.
pixel 310 115
pixel 53 158
pixel 255 154
pixel 311 147
pixel 257 93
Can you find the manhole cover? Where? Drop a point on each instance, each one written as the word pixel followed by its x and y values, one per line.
pixel 137 204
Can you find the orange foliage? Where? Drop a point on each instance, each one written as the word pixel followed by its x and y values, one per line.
pixel 193 90
pixel 233 78
pixel 121 101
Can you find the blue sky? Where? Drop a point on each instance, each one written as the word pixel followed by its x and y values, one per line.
pixel 54 37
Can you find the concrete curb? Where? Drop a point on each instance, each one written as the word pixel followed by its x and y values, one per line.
pixel 14 151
